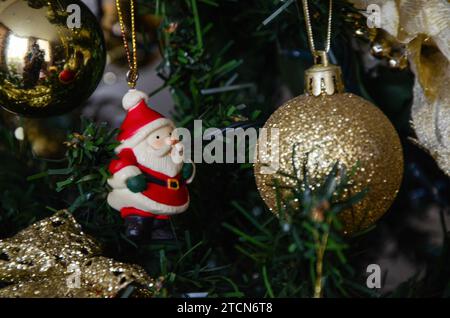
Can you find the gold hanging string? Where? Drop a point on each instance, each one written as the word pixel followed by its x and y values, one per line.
pixel 317 53
pixel 132 74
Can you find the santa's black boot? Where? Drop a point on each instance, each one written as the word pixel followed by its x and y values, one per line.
pixel 137 227
pixel 161 230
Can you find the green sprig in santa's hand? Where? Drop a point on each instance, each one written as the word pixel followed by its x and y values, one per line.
pixel 149 175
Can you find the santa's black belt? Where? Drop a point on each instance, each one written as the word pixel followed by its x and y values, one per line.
pixel 170 183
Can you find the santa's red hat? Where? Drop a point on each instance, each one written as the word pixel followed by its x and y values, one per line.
pixel 140 120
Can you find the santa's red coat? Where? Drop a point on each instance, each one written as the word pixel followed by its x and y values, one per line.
pixel 158 193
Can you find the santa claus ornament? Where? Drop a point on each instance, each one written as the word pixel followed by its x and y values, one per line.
pixel 149 176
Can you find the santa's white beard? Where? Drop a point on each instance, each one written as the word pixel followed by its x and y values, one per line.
pixel 157 160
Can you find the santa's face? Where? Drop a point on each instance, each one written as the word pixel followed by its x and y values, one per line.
pixel 161 140
pixel 158 150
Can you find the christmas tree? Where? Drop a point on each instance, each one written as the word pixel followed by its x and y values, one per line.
pixel 229 64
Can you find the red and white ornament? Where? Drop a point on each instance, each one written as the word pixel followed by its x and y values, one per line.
pixel 149 149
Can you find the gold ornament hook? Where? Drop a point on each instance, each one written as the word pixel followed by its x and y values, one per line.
pixel 320 57
pixel 132 74
pixel 323 78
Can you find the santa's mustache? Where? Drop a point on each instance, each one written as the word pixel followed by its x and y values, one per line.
pixel 163 151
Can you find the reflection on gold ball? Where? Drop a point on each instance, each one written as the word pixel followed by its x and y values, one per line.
pixel 340 128
pixel 47 65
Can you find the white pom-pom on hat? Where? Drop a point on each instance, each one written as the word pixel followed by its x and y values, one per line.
pixel 132 98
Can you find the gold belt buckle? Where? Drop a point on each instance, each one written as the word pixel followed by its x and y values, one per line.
pixel 170 185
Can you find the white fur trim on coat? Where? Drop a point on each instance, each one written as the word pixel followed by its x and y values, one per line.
pixel 119 179
pixel 124 198
pixel 143 132
pixel 132 98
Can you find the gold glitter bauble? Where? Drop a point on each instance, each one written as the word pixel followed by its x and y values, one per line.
pixel 48 63
pixel 340 128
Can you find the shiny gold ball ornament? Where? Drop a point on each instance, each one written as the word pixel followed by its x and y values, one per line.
pixel 52 56
pixel 327 126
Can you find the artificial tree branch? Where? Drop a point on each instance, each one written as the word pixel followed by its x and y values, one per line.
pixel 320 252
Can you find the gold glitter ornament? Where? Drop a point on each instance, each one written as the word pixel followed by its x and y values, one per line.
pixel 327 126
pixel 48 63
pixel 44 260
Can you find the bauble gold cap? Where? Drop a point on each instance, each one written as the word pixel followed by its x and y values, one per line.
pixel 323 78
